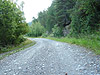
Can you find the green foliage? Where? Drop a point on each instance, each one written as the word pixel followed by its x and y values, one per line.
pixel 57 31
pixel 42 18
pixel 44 35
pixel 85 17
pixel 36 29
pixel 56 14
pixel 12 23
pixel 61 14
pixel 47 18
pixel 82 15
pixel 51 20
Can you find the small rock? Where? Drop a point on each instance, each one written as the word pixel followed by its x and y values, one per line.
pixel 94 65
pixel 5 73
pixel 80 68
pixel 79 65
pixel 52 69
pixel 16 63
pixel 85 71
pixel 85 64
pixel 19 68
pixel 6 70
pixel 9 69
pixel 92 72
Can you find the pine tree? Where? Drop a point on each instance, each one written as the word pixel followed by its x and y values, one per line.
pixel 62 16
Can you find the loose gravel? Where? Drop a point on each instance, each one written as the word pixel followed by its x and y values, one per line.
pixel 48 57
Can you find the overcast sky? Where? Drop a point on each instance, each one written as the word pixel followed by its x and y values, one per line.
pixel 32 7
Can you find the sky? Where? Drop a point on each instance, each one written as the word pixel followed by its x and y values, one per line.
pixel 33 7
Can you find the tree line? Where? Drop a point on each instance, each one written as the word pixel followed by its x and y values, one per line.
pixel 81 16
pixel 12 23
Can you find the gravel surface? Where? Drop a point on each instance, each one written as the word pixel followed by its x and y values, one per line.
pixel 49 57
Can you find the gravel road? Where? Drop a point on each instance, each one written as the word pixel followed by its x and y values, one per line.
pixel 48 57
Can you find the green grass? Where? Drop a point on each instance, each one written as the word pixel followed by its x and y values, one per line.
pixel 33 37
pixel 13 49
pixel 90 43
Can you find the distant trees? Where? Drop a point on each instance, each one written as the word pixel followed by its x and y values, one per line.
pixel 36 29
pixel 47 18
pixel 83 16
pixel 56 15
pixel 12 23
pixel 42 18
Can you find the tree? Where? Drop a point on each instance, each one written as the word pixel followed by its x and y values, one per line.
pixel 61 8
pixel 11 21
pixel 36 29
pixel 51 20
pixel 47 18
pixel 42 18
pixel 85 17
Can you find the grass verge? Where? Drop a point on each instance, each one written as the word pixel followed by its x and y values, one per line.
pixel 14 49
pixel 33 37
pixel 92 44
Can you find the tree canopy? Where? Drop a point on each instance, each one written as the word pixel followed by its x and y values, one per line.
pixel 12 23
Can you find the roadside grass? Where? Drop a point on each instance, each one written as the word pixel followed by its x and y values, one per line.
pixel 13 49
pixel 88 42
pixel 33 37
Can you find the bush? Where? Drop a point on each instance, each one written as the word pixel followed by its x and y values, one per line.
pixel 12 23
pixel 44 35
pixel 57 31
pixel 51 35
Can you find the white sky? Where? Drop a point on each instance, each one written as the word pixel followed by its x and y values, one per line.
pixel 33 7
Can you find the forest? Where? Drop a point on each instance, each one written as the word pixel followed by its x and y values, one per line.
pixel 76 17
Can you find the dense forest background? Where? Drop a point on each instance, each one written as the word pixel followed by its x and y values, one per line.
pixel 72 18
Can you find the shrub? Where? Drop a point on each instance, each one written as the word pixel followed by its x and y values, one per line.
pixel 57 31
pixel 44 35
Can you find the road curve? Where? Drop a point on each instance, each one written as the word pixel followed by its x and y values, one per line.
pixel 48 57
